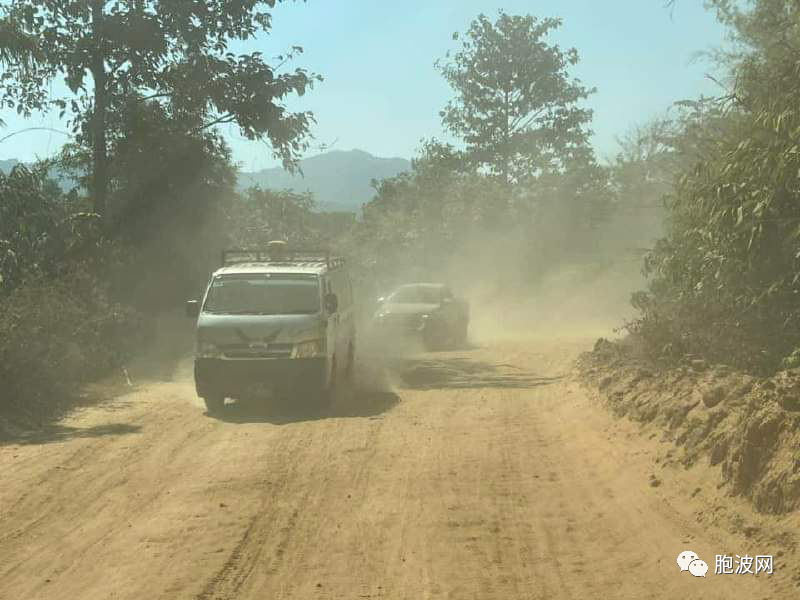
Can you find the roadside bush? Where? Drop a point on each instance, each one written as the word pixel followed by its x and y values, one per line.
pixel 55 333
pixel 32 223
pixel 725 282
pixel 674 331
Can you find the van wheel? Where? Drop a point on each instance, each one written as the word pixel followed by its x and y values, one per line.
pixel 214 404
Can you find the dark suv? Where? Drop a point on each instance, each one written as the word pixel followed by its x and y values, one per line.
pixel 428 311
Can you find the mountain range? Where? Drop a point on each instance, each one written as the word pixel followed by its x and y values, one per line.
pixel 338 179
pixel 7 165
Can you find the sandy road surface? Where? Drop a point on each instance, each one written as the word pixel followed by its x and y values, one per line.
pixel 489 476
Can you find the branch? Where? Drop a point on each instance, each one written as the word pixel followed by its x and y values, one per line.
pixel 229 118
pixel 528 119
pixel 151 96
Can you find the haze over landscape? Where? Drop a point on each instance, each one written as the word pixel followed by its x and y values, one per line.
pixel 489 299
pixel 339 180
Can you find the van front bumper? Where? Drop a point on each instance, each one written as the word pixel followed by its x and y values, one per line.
pixel 238 378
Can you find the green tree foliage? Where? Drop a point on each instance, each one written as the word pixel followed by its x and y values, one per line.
pixel 58 323
pixel 265 215
pixel 259 216
pixel 16 47
pixel 29 215
pixel 57 331
pixel 725 280
pixel 177 53
pixel 516 106
pixel 40 228
pixel 169 206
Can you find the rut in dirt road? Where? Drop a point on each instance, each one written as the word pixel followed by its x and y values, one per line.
pixel 492 475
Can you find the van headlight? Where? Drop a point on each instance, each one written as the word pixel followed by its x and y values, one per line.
pixel 309 349
pixel 208 350
pixel 422 321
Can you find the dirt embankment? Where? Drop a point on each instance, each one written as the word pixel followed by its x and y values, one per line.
pixel 748 426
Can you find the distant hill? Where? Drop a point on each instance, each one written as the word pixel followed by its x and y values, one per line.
pixel 339 180
pixel 65 182
pixel 7 165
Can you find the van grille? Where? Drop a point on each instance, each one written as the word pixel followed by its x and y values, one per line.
pixel 245 351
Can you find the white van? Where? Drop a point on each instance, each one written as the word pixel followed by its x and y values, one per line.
pixel 274 320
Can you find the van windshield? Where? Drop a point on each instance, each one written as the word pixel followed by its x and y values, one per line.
pixel 264 294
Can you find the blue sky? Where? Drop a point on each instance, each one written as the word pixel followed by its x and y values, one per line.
pixel 382 94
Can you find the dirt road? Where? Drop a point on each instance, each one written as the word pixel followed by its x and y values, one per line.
pixel 489 475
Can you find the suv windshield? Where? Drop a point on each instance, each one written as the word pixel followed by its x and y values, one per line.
pixel 416 294
pixel 264 294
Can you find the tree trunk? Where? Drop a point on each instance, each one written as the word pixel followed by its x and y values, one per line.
pixel 99 149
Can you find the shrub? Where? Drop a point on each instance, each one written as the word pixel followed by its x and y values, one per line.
pixel 55 333
pixel 725 282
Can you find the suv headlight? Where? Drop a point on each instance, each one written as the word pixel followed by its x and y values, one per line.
pixel 422 321
pixel 208 350
pixel 309 349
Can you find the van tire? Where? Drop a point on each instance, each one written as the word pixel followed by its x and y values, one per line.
pixel 214 404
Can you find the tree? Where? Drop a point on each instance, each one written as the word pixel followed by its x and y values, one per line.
pixel 172 197
pixel 440 157
pixel 517 108
pixel 176 53
pixel 265 215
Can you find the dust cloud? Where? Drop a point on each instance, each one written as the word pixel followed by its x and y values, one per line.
pixel 516 292
pixel 574 301
pixel 520 287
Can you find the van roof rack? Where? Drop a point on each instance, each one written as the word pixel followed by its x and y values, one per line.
pixel 280 255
